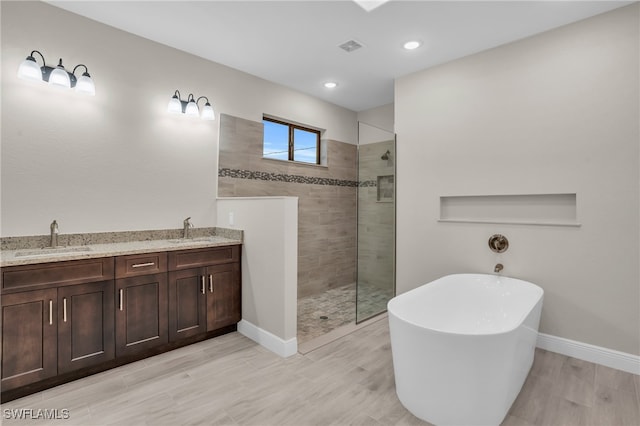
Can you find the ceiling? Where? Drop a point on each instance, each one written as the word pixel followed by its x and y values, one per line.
pixel 295 43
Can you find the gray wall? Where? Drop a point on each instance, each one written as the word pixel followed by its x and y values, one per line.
pixel 554 113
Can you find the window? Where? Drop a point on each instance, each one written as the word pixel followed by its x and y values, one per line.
pixel 286 141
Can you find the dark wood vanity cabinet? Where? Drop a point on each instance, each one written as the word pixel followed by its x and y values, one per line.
pixel 85 325
pixel 142 307
pixel 141 314
pixel 63 320
pixel 223 296
pixel 56 318
pixel 187 303
pixel 29 337
pixel 204 290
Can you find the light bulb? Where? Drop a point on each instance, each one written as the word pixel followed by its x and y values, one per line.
pixel 207 112
pixel 30 70
pixel 85 85
pixel 413 44
pixel 192 109
pixel 175 106
pixel 59 77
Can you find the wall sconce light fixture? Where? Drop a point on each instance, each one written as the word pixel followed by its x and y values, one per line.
pixel 58 76
pixel 190 106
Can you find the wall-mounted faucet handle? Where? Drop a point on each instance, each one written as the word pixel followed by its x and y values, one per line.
pixel 498 243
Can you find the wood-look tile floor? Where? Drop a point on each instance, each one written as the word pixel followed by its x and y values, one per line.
pixel 230 380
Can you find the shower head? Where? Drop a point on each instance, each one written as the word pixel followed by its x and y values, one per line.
pixel 385 156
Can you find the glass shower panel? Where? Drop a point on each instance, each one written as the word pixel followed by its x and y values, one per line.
pixel 375 283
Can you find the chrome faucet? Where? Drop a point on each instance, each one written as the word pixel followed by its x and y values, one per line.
pixel 187 225
pixel 498 268
pixel 54 234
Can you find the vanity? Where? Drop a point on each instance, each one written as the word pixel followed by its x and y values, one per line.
pixel 72 312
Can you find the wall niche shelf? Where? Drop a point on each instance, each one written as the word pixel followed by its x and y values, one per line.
pixel 517 209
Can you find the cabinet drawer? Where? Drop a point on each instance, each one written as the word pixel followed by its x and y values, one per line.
pixel 57 273
pixel 140 264
pixel 201 257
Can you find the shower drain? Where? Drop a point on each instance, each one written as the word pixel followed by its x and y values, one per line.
pixel 324 317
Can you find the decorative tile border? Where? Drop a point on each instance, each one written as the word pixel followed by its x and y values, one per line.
pixel 368 184
pixel 281 177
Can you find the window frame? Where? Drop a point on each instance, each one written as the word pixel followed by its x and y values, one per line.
pixel 290 144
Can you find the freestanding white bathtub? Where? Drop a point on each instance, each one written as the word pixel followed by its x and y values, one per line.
pixel 463 346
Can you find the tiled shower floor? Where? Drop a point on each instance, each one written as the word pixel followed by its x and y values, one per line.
pixel 321 313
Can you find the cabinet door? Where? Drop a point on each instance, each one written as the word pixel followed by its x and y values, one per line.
pixel 141 314
pixel 85 325
pixel 29 337
pixel 223 295
pixel 187 303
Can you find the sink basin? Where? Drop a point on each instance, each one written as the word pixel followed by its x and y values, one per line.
pixel 47 251
pixel 191 240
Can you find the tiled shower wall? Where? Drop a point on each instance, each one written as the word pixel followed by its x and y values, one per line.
pixel 326 199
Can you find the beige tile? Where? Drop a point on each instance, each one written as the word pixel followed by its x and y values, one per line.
pixel 615 379
pixel 616 407
pixel 576 382
pixel 583 370
pixel 636 381
pixel 560 411
pixel 547 364
pixel 511 420
pixel 408 419
pixel 533 400
pixel 132 409
pixel 346 381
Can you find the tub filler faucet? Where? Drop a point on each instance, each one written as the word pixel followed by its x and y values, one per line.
pixel 498 268
pixel 54 234
pixel 187 225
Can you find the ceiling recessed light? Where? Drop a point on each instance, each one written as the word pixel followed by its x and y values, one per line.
pixel 330 84
pixel 369 5
pixel 411 45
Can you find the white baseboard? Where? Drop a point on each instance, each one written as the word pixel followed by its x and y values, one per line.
pixel 596 354
pixel 284 348
pixel 584 351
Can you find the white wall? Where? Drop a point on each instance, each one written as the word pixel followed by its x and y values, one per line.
pixel 269 265
pixel 118 161
pixel 554 113
pixel 381 117
pixel 370 134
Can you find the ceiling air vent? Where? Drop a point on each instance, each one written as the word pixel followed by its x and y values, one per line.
pixel 350 46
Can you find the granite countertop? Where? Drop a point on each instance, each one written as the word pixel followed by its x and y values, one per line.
pixel 31 250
